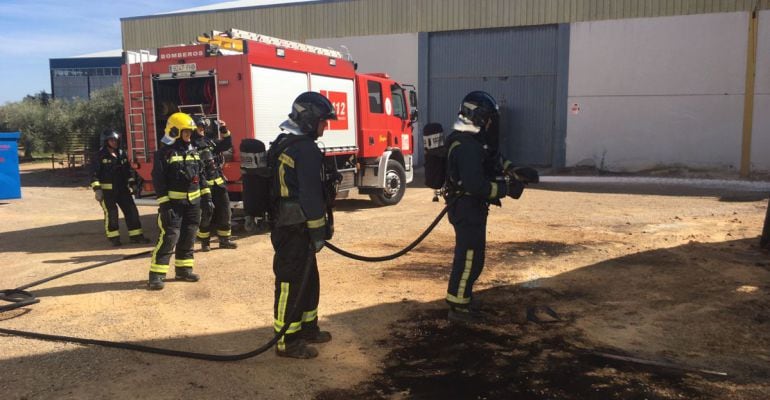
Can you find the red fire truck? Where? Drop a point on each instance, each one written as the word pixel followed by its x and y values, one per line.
pixel 249 81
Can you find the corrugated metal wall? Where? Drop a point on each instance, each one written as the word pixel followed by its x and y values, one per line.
pixel 337 18
pixel 517 66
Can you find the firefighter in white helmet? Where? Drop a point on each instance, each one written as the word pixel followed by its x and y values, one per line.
pixel 181 189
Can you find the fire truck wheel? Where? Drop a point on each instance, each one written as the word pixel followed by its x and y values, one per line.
pixel 395 185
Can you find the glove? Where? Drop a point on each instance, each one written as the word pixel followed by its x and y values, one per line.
pixel 515 189
pixel 317 238
pixel 502 187
pixel 98 195
pixel 166 211
pixel 207 205
pixel 525 174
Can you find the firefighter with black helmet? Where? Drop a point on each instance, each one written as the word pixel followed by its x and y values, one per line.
pixel 181 189
pixel 211 152
pixel 300 222
pixel 112 181
pixel 476 178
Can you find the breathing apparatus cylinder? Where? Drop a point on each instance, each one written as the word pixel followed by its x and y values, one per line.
pixel 255 175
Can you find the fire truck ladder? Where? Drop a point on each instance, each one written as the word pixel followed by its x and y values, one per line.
pixel 137 118
pixel 233 40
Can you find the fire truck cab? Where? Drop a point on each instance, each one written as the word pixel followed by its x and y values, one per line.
pixel 250 81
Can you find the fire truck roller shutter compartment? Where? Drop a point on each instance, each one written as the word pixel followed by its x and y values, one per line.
pixel 340 135
pixel 171 93
pixel 273 91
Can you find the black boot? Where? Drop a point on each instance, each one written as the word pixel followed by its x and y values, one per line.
pixel 206 244
pixel 186 274
pixel 465 315
pixel 139 239
pixel 297 348
pixel 115 241
pixel 156 281
pixel 225 243
pixel 315 335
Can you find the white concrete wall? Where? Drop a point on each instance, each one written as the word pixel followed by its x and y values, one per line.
pixel 658 91
pixel 760 140
pixel 394 54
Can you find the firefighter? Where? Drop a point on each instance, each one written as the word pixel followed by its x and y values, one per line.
pixel 474 182
pixel 112 182
pixel 301 225
pixel 177 175
pixel 211 154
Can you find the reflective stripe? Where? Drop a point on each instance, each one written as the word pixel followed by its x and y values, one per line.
pixel 205 191
pixel 176 159
pixel 457 300
pixel 316 223
pixel 493 192
pixel 309 316
pixel 95 184
pixel 284 158
pixel 454 144
pixel 281 314
pixel 107 231
pixel 135 232
pixel 189 263
pixel 107 186
pixel 157 267
pixel 203 235
pixel 507 164
pixel 282 181
pixel 216 181
pixel 294 327
pixel 106 161
pixel 464 278
pixel 224 233
pixel 163 199
pixel 184 195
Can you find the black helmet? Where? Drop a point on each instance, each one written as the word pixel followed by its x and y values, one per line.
pixel 109 134
pixel 479 107
pixel 200 121
pixel 309 109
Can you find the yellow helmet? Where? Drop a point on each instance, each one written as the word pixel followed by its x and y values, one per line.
pixel 177 122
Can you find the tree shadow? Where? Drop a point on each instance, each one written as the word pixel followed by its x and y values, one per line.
pixel 735 194
pixel 73 237
pixel 66 177
pixel 698 305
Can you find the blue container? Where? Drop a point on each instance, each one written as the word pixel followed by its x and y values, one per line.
pixel 10 183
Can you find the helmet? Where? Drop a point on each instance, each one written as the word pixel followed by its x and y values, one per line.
pixel 109 134
pixel 309 109
pixel 478 107
pixel 177 122
pixel 200 121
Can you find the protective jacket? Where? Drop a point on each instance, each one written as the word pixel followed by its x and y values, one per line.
pixel 177 174
pixel 213 172
pixel 111 172
pixel 472 170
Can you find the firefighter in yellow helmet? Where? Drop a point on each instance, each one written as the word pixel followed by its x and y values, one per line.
pixel 177 175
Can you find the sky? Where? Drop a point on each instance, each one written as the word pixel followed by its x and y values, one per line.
pixel 32 31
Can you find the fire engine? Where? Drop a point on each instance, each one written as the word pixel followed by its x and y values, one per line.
pixel 249 81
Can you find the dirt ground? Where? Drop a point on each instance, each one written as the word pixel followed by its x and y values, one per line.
pixel 674 278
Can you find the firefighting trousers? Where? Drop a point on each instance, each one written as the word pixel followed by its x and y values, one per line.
pixel 178 225
pixel 292 250
pixel 220 219
pixel 468 216
pixel 110 203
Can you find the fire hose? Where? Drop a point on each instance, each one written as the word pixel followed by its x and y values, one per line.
pixel 20 297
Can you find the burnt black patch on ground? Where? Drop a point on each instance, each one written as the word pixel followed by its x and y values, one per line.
pixel 535 248
pixel 509 358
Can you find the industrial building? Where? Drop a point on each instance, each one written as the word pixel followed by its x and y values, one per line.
pixel 622 85
pixel 80 76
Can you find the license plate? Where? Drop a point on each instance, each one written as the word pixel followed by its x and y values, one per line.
pixel 182 68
